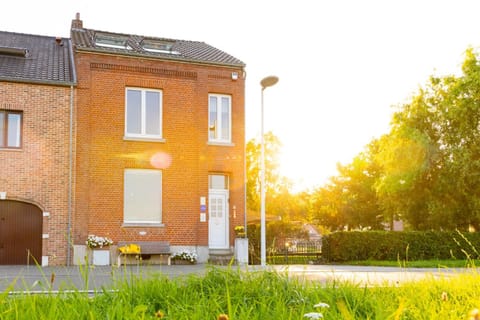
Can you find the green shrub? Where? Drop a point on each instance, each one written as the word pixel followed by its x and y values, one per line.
pixel 392 246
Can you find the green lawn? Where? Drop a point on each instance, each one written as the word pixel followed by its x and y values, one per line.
pixel 251 296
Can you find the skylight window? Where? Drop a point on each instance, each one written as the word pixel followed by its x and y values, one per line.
pixel 159 46
pixel 111 41
pixel 11 51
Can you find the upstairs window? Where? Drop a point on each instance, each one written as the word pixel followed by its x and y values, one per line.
pixel 143 113
pixel 10 129
pixel 219 118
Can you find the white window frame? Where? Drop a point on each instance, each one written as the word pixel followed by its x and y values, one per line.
pixel 216 125
pixel 143 135
pixel 140 197
pixel 6 132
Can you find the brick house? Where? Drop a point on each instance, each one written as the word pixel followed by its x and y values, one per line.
pixel 160 135
pixel 37 80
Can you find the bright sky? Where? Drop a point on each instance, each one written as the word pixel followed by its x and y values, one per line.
pixel 342 64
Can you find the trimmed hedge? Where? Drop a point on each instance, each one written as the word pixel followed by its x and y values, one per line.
pixel 393 246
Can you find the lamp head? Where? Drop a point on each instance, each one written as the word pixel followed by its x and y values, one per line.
pixel 268 81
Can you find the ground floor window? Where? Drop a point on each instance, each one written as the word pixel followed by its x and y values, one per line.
pixel 142 196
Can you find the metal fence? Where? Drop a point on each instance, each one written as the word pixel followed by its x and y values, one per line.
pixel 296 252
pixel 302 246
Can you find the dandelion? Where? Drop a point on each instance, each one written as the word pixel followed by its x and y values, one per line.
pixel 222 317
pixel 444 296
pixel 159 314
pixel 474 315
pixel 322 305
pixel 313 315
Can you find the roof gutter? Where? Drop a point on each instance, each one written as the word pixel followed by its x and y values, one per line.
pixel 176 59
pixel 34 81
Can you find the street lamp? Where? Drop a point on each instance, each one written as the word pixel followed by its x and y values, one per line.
pixel 265 83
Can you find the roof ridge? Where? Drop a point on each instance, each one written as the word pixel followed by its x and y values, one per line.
pixel 31 34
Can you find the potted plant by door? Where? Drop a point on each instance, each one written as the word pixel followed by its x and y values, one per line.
pixel 240 232
pixel 100 247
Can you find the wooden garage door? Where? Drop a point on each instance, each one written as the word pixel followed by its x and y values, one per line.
pixel 20 233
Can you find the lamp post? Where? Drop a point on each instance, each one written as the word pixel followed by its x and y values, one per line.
pixel 265 83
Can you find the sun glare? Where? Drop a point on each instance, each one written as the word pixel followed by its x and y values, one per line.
pixel 161 160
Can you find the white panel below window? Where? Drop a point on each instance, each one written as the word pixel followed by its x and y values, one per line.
pixel 143 196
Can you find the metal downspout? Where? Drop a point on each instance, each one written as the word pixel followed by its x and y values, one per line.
pixel 70 159
pixel 70 180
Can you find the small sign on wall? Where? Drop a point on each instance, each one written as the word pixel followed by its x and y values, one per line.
pixel 203 217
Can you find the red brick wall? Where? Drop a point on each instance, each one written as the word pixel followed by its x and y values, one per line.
pixel 38 172
pixel 103 154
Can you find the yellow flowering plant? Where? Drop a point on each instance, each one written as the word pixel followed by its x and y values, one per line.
pixel 240 232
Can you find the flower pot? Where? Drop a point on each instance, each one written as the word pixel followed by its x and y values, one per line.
pixel 180 262
pixel 101 257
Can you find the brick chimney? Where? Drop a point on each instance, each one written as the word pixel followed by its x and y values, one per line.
pixel 77 23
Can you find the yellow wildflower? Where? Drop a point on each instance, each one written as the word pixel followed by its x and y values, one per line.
pixel 474 315
pixel 159 314
pixel 444 296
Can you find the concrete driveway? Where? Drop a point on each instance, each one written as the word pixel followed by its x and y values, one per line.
pixel 367 276
pixel 38 279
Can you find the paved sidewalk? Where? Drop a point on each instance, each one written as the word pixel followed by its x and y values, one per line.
pixel 32 278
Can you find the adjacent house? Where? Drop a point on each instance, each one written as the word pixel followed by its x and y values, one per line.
pixel 131 137
pixel 37 83
pixel 160 129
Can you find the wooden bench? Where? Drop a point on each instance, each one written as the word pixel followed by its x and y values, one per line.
pixel 140 249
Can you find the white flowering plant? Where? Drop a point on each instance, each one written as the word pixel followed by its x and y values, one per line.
pixel 185 255
pixel 317 315
pixel 94 241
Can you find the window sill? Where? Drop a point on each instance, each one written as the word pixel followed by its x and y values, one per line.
pixel 11 149
pixel 144 139
pixel 221 144
pixel 143 225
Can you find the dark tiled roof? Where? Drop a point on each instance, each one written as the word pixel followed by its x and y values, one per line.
pixel 182 50
pixel 46 60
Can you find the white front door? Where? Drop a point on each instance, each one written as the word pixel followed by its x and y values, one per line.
pixel 218 219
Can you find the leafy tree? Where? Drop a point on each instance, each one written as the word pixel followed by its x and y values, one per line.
pixel 425 171
pixel 431 158
pixel 326 206
pixel 278 197
pixel 350 201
